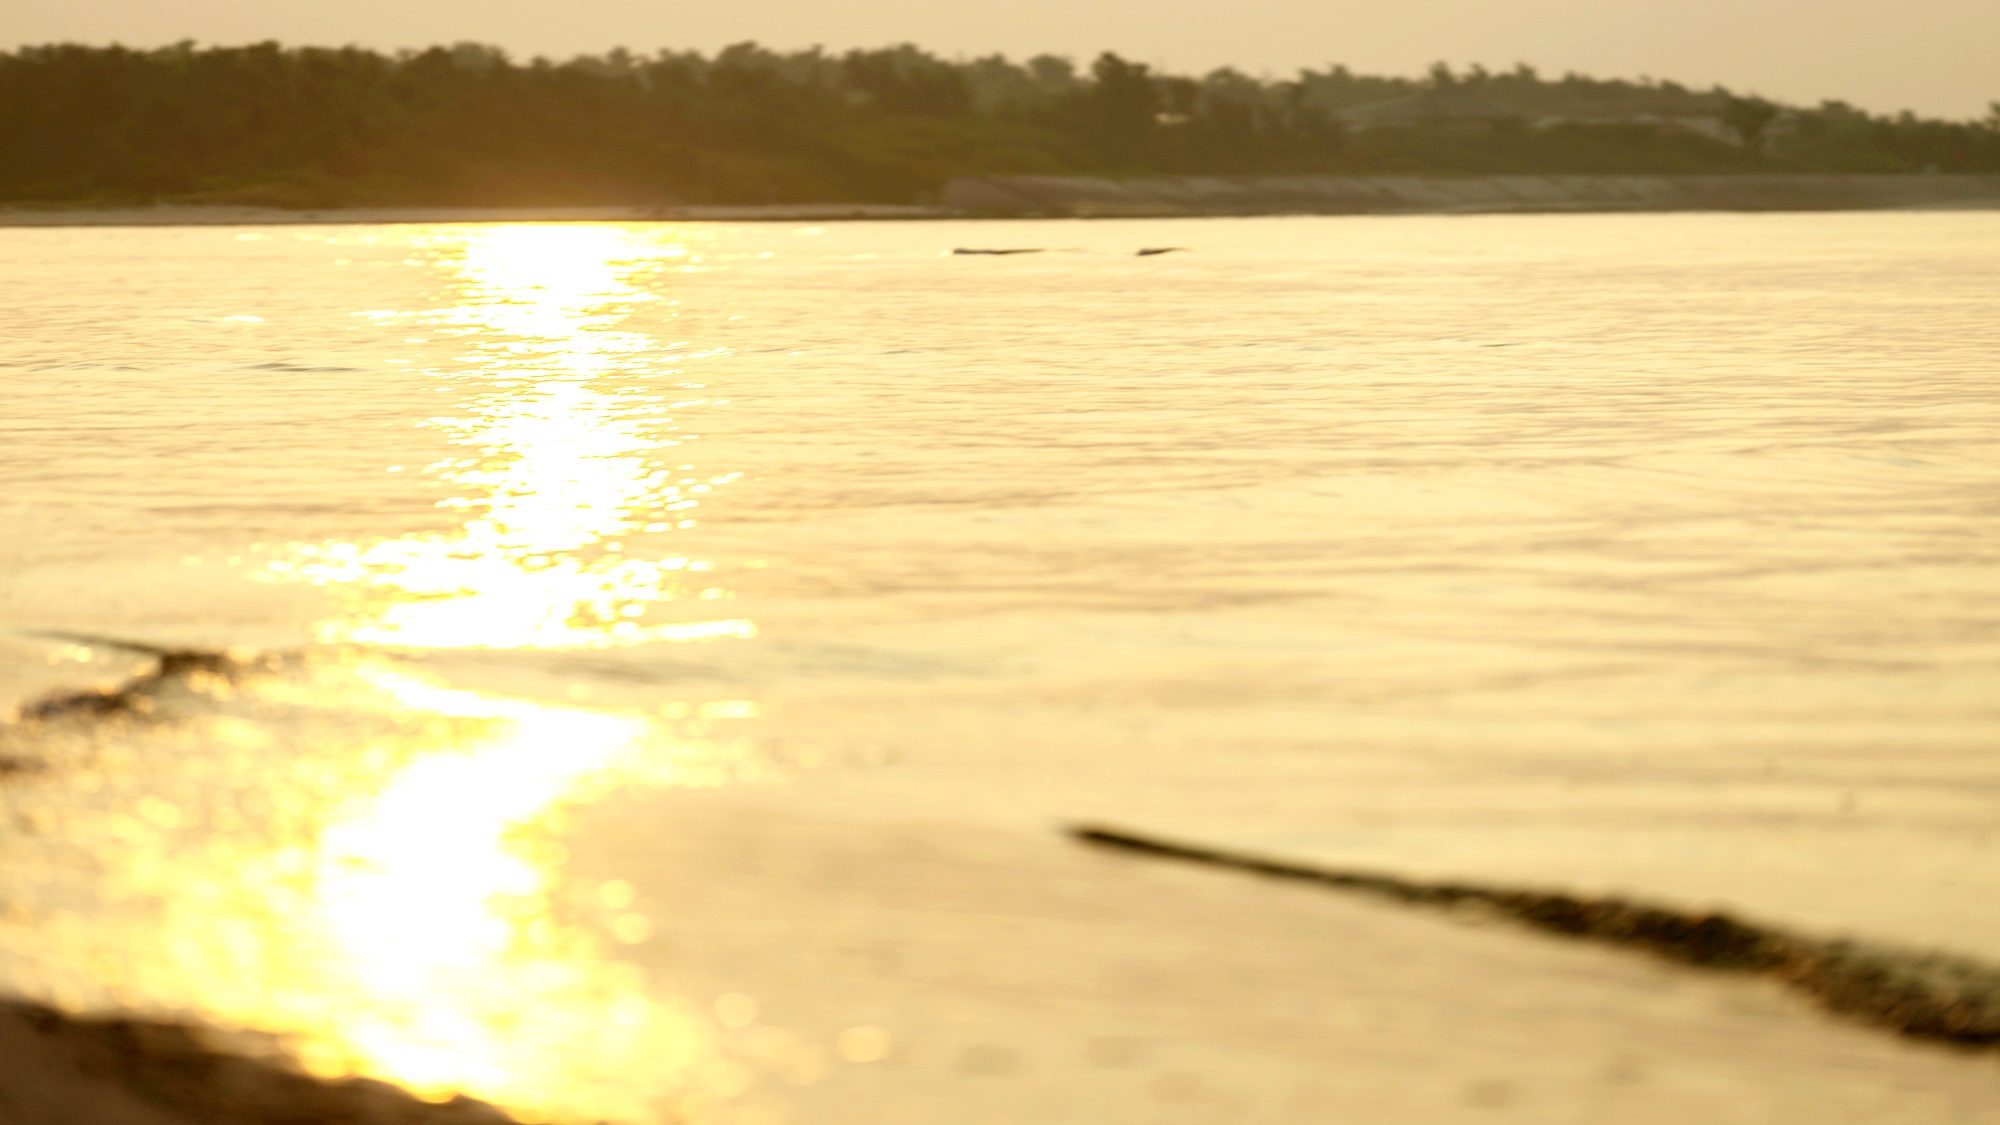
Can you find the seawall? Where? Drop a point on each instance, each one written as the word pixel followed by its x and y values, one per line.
pixel 1093 197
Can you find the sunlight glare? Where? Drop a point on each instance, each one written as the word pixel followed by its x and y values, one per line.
pixel 564 468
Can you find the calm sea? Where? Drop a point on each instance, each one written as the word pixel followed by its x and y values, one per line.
pixel 604 604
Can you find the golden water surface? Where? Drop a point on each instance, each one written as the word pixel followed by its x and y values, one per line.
pixel 1591 544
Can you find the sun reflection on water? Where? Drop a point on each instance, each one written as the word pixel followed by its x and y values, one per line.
pixel 413 939
pixel 441 919
pixel 408 932
pixel 569 474
pixel 367 863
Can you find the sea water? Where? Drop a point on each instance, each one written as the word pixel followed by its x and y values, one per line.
pixel 1646 554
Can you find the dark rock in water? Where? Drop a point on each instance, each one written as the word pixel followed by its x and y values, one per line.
pixel 57 1069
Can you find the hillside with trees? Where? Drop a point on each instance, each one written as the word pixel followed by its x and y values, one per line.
pixel 466 125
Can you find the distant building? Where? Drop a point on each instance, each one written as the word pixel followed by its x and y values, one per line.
pixel 1460 109
pixel 1701 114
pixel 1449 107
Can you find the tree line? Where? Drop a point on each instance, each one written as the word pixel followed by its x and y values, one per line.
pixel 467 125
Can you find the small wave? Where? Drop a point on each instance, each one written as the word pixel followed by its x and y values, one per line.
pixel 1918 993
pixel 137 695
pixel 299 368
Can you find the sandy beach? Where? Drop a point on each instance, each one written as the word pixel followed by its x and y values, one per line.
pixel 1028 977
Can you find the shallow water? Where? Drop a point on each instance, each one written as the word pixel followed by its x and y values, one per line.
pixel 1647 553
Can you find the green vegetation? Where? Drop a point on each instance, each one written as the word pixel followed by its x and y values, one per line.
pixel 312 127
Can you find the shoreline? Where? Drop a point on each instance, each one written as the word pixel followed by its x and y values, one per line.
pixel 195 215
pixel 1160 197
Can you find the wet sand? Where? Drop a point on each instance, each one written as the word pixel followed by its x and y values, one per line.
pixel 1093 975
pixel 57 1069
pixel 1026 978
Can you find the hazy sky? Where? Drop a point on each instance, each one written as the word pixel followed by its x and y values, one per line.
pixel 1933 56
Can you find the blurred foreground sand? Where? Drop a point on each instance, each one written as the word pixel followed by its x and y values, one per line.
pixel 1005 977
